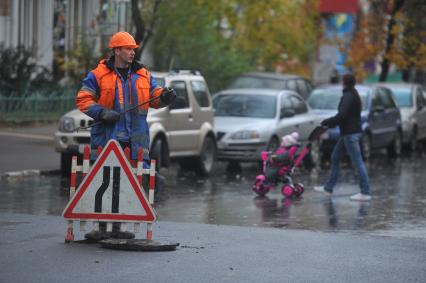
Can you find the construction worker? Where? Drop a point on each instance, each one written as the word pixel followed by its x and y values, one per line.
pixel 114 86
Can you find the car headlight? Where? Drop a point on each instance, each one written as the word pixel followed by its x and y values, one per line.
pixel 245 135
pixel 67 125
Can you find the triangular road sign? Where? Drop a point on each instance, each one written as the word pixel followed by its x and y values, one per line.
pixel 110 192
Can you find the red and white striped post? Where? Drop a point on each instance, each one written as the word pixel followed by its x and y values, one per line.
pixel 139 176
pixel 127 153
pixel 139 171
pixel 86 160
pixel 69 237
pixel 151 196
pixel 73 180
pixel 99 151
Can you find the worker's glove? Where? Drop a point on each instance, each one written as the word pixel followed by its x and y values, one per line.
pixel 109 116
pixel 168 95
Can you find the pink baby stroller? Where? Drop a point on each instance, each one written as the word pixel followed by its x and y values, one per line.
pixel 279 166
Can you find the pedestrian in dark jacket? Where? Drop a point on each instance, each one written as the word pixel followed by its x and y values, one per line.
pixel 348 119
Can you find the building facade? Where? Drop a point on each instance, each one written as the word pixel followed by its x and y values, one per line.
pixel 28 23
pixel 50 28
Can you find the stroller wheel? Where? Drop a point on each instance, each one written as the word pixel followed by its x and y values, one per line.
pixel 260 188
pixel 287 190
pixel 298 189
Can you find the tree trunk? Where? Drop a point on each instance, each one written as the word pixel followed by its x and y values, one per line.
pixel 397 6
pixel 143 32
pixel 140 27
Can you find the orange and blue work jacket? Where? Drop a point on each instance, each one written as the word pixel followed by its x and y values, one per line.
pixel 104 88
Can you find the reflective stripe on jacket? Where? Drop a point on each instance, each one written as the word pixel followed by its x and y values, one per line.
pixel 104 88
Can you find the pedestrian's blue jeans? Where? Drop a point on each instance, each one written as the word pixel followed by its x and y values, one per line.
pixel 349 144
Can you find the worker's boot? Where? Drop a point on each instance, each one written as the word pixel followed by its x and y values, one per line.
pixel 96 236
pixel 116 233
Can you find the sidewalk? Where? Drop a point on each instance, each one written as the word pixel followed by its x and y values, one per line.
pixel 41 129
pixel 28 147
pixel 32 249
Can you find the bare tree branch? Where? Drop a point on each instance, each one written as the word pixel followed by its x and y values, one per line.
pixel 149 31
pixel 390 38
pixel 143 32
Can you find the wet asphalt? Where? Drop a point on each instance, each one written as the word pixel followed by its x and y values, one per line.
pixel 398 207
pixel 226 233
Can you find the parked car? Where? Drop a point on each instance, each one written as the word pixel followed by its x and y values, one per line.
pixel 412 104
pixel 380 118
pixel 182 131
pixel 249 121
pixel 264 80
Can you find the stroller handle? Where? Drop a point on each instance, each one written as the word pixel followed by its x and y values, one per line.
pixel 316 133
pixel 313 136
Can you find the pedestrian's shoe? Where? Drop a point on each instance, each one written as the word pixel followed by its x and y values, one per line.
pixel 360 197
pixel 96 236
pixel 321 189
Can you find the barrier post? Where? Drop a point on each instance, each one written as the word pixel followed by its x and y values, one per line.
pixel 127 153
pixel 86 160
pixel 140 166
pixel 151 196
pixel 99 151
pixel 69 237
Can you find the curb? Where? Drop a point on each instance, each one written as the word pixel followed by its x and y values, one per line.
pixel 27 173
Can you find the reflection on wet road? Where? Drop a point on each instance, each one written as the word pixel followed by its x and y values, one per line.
pixel 399 199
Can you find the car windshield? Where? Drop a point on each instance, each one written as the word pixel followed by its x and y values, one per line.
pixel 256 82
pixel 403 97
pixel 238 105
pixel 328 99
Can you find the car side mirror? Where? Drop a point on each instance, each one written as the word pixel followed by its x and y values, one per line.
pixel 178 103
pixel 379 109
pixel 287 113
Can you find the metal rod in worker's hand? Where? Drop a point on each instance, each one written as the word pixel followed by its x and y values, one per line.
pixel 126 110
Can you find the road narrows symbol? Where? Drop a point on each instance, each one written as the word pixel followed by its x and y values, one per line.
pixel 115 190
pixel 100 192
pixel 104 186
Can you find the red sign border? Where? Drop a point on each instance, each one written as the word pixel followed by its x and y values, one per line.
pixel 112 146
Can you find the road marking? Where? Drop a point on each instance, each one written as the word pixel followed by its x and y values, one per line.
pixel 26 136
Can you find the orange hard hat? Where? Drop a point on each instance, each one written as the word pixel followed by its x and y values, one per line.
pixel 121 39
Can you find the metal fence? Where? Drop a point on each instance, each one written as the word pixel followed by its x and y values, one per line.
pixel 37 107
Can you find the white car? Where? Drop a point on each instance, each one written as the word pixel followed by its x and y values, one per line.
pixel 249 121
pixel 182 131
pixel 412 104
pixel 299 84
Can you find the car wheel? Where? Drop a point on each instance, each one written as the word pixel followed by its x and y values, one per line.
pixel 205 162
pixel 365 145
pixel 66 159
pixel 314 156
pixel 394 149
pixel 413 141
pixel 157 152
